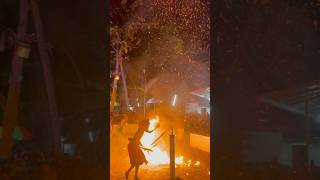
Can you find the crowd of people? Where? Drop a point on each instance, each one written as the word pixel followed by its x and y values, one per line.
pixel 199 124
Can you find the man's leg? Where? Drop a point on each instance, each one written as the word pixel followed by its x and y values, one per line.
pixel 127 173
pixel 137 171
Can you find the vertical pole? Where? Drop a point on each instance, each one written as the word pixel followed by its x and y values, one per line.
pixel 172 157
pixel 48 76
pixel 307 120
pixel 115 84
pixel 124 86
pixel 307 129
pixel 144 94
pixel 12 103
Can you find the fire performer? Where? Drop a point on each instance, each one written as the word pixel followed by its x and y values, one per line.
pixel 137 158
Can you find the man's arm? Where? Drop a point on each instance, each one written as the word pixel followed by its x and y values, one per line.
pixel 153 129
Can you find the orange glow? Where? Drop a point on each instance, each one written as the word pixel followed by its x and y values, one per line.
pixel 197 163
pixel 158 156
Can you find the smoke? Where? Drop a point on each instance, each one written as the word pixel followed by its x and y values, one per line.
pixel 172 63
pixel 169 68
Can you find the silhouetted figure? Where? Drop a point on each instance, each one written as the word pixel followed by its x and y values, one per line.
pixel 123 123
pixel 135 147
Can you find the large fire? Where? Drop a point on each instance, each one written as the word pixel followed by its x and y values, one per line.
pixel 158 156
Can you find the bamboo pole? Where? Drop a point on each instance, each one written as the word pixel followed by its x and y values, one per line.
pixel 124 86
pixel 115 84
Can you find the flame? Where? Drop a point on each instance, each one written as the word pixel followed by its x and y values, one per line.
pixel 153 123
pixel 158 156
pixel 197 163
pixel 179 160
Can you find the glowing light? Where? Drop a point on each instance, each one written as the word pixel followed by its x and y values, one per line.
pixel 179 160
pixel 158 156
pixel 117 77
pixel 90 134
pixel 153 123
pixel 197 163
pixel 87 120
pixel 174 100
pixel 188 164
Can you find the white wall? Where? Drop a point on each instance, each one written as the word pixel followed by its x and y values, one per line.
pixel 264 146
pixel 286 154
pixel 192 108
pixel 195 108
pixel 314 153
pixel 200 142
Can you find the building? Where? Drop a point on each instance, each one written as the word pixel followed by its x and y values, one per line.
pixel 199 102
pixel 291 130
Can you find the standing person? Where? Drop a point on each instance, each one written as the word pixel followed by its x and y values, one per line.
pixel 111 123
pixel 137 158
pixel 123 123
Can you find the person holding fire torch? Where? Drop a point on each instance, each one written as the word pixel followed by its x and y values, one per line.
pixel 137 158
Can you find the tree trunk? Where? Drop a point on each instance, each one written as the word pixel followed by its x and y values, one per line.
pixel 124 86
pixel 115 85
